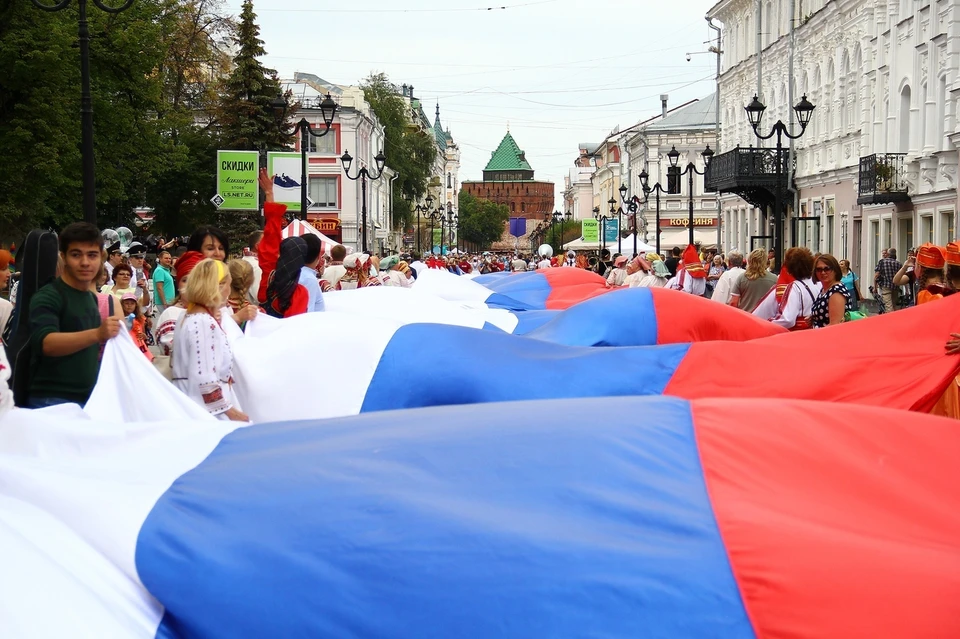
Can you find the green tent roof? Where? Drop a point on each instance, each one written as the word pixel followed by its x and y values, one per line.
pixel 508 157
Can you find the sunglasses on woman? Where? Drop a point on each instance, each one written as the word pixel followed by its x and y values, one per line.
pixel 822 269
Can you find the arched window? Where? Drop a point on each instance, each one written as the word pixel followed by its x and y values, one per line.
pixel 903 119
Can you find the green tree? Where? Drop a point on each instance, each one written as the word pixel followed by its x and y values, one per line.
pixel 246 116
pixel 409 150
pixel 194 60
pixel 481 221
pixel 40 181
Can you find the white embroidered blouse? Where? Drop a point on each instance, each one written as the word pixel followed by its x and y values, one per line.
pixel 203 363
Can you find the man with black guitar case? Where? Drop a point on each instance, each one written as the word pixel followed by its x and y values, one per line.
pixel 37 259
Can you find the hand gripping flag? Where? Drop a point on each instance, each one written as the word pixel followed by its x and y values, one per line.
pixel 667 518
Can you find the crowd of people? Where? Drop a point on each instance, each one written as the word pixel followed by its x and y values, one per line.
pixel 181 310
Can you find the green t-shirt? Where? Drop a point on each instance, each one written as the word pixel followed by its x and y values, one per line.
pixel 60 308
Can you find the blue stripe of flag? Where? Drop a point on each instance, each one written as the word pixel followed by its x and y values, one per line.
pixel 526 519
pixel 417 369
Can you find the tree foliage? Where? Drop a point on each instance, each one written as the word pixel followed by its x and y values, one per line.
pixel 154 67
pixel 409 150
pixel 40 183
pixel 481 221
pixel 245 114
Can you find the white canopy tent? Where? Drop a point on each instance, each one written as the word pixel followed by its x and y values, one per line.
pixel 626 244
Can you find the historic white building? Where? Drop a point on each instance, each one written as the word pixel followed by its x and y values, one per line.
pixel 877 166
pixel 689 128
pixel 337 200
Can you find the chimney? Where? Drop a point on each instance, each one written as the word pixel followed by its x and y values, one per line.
pixel 663 104
pixel 404 90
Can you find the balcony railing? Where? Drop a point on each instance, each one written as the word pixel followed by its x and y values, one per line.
pixel 748 167
pixel 882 179
pixel 748 172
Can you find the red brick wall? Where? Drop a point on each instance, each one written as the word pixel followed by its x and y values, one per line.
pixel 530 200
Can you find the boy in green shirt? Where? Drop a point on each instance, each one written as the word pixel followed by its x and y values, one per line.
pixel 65 326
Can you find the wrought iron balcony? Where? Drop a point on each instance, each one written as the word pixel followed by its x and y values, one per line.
pixel 749 172
pixel 882 179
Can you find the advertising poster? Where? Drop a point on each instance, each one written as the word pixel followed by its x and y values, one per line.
pixel 611 229
pixel 590 230
pixel 286 167
pixel 237 187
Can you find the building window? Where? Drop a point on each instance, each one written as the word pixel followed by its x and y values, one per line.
pixel 673 180
pixel 905 229
pixel 327 144
pixel 947 232
pixel 449 180
pixel 831 207
pixel 323 192
pixel 926 229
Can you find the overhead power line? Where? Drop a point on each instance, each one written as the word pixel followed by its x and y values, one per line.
pixel 411 10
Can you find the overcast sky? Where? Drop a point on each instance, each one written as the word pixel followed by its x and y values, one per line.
pixel 558 72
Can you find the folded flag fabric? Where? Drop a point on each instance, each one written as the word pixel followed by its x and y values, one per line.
pixel 646 316
pixel 374 365
pixel 667 518
pixel 589 315
pixel 552 288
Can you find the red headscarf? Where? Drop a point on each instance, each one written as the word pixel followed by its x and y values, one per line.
pixel 186 263
pixel 784 280
pixel 953 254
pixel 692 263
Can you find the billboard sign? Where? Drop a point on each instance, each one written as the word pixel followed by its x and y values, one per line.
pixel 237 186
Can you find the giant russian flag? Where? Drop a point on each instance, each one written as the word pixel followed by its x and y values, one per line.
pixel 664 518
pixel 358 364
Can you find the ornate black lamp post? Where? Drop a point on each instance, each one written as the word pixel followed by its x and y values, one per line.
pixel 362 174
pixel 689 171
pixel 436 216
pixel 86 101
pixel 602 219
pixel 657 189
pixel 453 222
pixel 328 109
pixel 804 111
pixel 425 210
pixel 632 207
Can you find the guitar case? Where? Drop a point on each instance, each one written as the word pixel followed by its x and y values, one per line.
pixel 37 259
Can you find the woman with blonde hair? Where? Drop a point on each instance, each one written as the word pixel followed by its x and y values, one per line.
pixel 202 359
pixel 754 283
pixel 241 279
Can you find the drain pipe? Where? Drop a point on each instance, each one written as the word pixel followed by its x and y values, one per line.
pixel 719 52
pixel 791 96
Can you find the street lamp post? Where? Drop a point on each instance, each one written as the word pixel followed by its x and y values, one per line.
pixel 88 171
pixel 425 210
pixel 556 217
pixel 804 111
pixel 602 219
pixel 443 219
pixel 689 171
pixel 434 217
pixel 328 109
pixel 657 189
pixel 563 222
pixel 632 208
pixel 362 175
pixel 451 220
